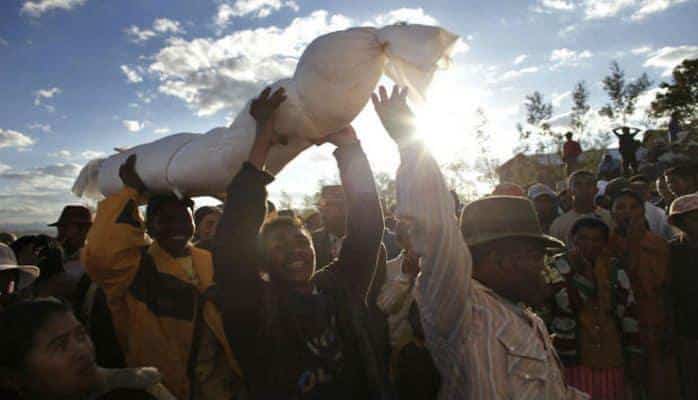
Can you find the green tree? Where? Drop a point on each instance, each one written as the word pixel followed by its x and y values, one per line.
pixel 680 96
pixel 580 108
pixel 623 95
pixel 539 134
pixel 485 164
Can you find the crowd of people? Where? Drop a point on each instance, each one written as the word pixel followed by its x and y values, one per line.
pixel 527 293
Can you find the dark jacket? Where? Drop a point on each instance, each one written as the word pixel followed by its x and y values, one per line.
pixel 323 247
pixel 254 310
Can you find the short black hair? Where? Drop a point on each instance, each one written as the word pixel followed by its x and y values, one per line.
pixel 590 223
pixel 203 211
pixel 277 223
pixel 682 171
pixel 578 174
pixel 156 203
pixel 19 325
pixel 639 178
pixel 627 193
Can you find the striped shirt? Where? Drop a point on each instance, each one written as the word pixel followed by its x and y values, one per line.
pixel 484 346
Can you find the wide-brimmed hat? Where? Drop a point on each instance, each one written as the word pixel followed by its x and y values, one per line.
pixel 499 217
pixel 682 205
pixel 74 215
pixel 8 261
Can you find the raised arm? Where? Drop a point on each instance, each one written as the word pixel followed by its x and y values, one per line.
pixel 112 252
pixel 616 132
pixel 235 256
pixel 356 263
pixel 444 285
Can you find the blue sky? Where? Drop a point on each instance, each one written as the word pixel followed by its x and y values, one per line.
pixel 80 77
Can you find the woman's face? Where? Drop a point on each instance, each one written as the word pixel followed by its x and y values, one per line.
pixel 207 226
pixel 627 211
pixel 62 360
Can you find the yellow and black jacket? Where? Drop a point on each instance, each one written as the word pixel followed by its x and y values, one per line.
pixel 154 303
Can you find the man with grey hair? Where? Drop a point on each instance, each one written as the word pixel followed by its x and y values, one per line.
pixel 484 343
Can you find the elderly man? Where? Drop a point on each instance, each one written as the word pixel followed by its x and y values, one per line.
pixel 484 343
pixel 545 201
pixel 72 226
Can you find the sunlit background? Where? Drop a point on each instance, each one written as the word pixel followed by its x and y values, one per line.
pixel 81 77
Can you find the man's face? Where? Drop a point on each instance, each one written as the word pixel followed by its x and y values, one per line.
pixel 545 207
pixel 520 270
pixel 62 360
pixel 590 242
pixel 583 189
pixel 627 211
pixel 689 223
pixel 680 185
pixel 73 235
pixel 207 225
pixel 333 213
pixel 565 200
pixel 291 256
pixel 173 227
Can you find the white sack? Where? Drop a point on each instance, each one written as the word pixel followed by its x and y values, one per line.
pixel 332 83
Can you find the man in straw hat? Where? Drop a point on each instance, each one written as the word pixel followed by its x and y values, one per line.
pixel 13 277
pixel 485 344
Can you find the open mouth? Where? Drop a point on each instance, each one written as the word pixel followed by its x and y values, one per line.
pixel 297 265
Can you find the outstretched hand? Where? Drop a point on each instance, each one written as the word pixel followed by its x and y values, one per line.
pixel 393 111
pixel 262 110
pixel 129 176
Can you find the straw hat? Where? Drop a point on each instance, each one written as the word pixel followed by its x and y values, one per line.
pixel 500 217
pixel 682 205
pixel 8 261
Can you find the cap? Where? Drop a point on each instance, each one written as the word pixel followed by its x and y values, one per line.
pixel 540 189
pixel 683 205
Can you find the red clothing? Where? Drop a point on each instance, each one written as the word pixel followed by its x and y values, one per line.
pixel 600 384
pixel 571 151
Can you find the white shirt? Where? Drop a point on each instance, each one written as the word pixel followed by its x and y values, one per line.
pixel 658 222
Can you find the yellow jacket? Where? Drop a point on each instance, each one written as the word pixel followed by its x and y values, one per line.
pixel 152 300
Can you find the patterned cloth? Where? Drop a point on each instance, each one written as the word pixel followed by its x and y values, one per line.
pixel 601 384
pixel 484 346
pixel 593 321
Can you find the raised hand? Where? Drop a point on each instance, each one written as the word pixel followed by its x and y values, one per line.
pixel 393 111
pixel 129 176
pixel 262 108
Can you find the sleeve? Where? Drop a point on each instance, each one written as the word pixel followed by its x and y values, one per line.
pixel 444 285
pixel 112 252
pixel 395 291
pixel 235 255
pixel 357 259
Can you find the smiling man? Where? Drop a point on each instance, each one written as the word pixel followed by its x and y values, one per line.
pixel 159 291
pixel 303 333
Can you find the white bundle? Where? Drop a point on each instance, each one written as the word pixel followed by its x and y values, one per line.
pixel 332 83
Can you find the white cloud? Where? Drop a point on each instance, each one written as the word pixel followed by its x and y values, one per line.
pixel 513 74
pixel 641 50
pixel 64 154
pixel 139 35
pixel 566 31
pixel 410 15
pixel 165 25
pixel 519 59
pixel 41 94
pixel 4 167
pixel 162 131
pixel 210 74
pixel 255 8
pixel 669 57
pixel 554 5
pixel 650 7
pixel 91 154
pixel 559 98
pixel 46 128
pixel 3 42
pixel 132 74
pixel 37 7
pixel 10 138
pixel 599 9
pixel 565 57
pixel 133 126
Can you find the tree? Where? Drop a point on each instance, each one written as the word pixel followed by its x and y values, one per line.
pixel 580 108
pixel 485 164
pixel 538 112
pixel 385 185
pixel 285 201
pixel 623 95
pixel 681 96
